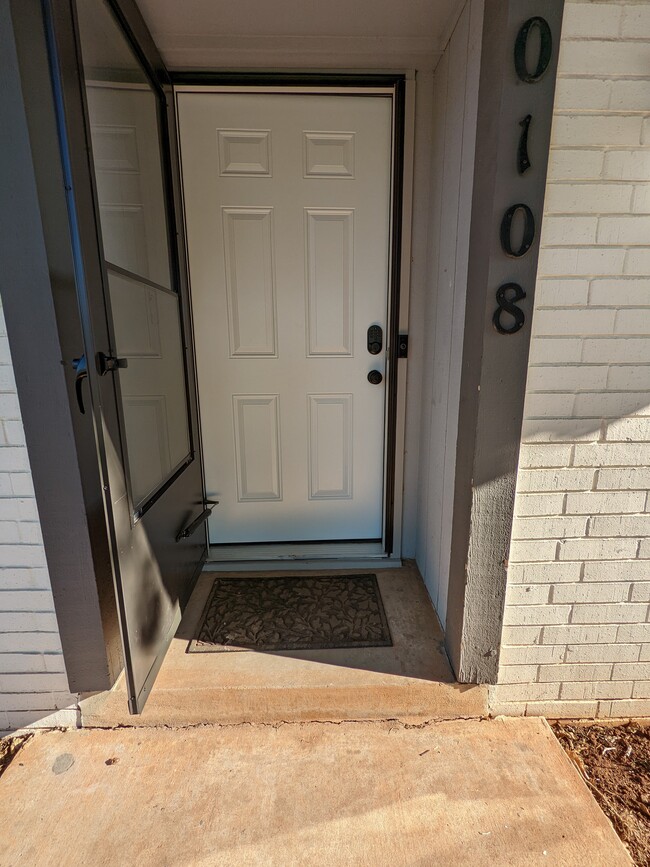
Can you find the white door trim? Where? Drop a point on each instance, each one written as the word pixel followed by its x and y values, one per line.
pixel 311 556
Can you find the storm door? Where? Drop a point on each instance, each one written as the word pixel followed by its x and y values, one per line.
pixel 135 370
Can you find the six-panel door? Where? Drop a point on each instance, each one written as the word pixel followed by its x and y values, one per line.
pixel 287 200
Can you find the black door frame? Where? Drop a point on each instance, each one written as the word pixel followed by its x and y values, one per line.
pixel 396 81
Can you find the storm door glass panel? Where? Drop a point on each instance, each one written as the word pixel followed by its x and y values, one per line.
pixel 124 115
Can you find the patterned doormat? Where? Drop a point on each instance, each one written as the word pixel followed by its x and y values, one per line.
pixel 292 613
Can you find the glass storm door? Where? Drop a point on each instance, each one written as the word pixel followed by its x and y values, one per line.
pixel 137 371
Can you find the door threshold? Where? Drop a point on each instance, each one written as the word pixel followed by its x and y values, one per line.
pixel 344 555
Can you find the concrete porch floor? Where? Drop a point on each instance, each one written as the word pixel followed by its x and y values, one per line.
pixel 411 680
pixel 368 794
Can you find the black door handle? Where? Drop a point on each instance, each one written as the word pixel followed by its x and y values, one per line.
pixel 374 377
pixel 81 368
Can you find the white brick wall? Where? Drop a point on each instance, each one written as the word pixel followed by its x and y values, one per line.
pixel 33 683
pixel 576 640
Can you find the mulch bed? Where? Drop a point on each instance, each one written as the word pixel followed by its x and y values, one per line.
pixel 614 761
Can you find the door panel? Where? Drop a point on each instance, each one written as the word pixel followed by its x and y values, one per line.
pixel 287 205
pixel 117 138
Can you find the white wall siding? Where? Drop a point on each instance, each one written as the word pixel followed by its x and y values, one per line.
pixel 454 132
pixel 33 681
pixel 576 639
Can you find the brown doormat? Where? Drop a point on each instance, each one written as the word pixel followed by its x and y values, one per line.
pixel 306 612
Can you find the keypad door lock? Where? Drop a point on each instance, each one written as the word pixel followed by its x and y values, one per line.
pixel 375 339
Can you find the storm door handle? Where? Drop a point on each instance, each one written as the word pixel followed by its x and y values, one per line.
pixel 81 368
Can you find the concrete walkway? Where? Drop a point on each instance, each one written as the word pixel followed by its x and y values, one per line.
pixel 355 793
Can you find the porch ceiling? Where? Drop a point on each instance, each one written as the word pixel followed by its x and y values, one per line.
pixel 367 34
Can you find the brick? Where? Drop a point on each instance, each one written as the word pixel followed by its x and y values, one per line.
pixel 65 718
pixel 568 672
pixel 562 709
pixel 590 592
pixel 633 377
pixel 26 600
pixel 623 570
pixel 602 653
pixel 637 261
pixel 629 95
pixel 598 690
pixel 612 454
pixel 569 231
pixel 633 632
pixel 598 503
pixel 574 130
pixel 519 635
pixel 559 430
pixel 620 525
pixel 13 459
pixel 567 198
pixel 18 509
pixel 631 671
pixel 549 405
pixel 626 165
pixel 644 549
pixel 550 528
pixel 644 655
pixel 519 674
pixel 543 573
pixel 619 292
pixel 598 633
pixel 596 549
pixel 33 682
pixel 610 405
pixel 23 555
pixel 641 689
pixel 524 594
pixel 616 350
pixel 555 480
pixel 575 165
pixel 536 615
pixel 30 642
pixel 629 478
pixel 22 485
pixel 528 691
pixel 624 612
pixel 14 433
pixel 530 551
pixel 641 592
pixel 640 203
pixel 623 230
pixel 33 663
pixel 584 377
pixel 565 262
pixel 628 429
pixel 528 505
pixel 561 293
pixel 596 57
pixel 628 321
pixel 636 22
pixel 558 349
pixel 631 708
pixel 532 655
pixel 573 94
pixel 584 21
pixel 541 456
pixel 28 621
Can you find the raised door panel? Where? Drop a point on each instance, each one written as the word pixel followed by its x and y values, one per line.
pixel 330 446
pixel 257 446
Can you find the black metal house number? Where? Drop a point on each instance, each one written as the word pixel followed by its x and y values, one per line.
pixel 508 294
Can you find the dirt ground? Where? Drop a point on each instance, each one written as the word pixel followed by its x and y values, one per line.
pixel 614 760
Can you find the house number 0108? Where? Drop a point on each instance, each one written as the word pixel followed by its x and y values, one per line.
pixel 508 294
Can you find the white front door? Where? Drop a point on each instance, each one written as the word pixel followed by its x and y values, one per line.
pixel 287 200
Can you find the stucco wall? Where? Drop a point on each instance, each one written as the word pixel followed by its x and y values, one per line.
pixel 576 639
pixel 33 682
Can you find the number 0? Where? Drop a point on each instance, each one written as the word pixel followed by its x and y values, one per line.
pixel 545 49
